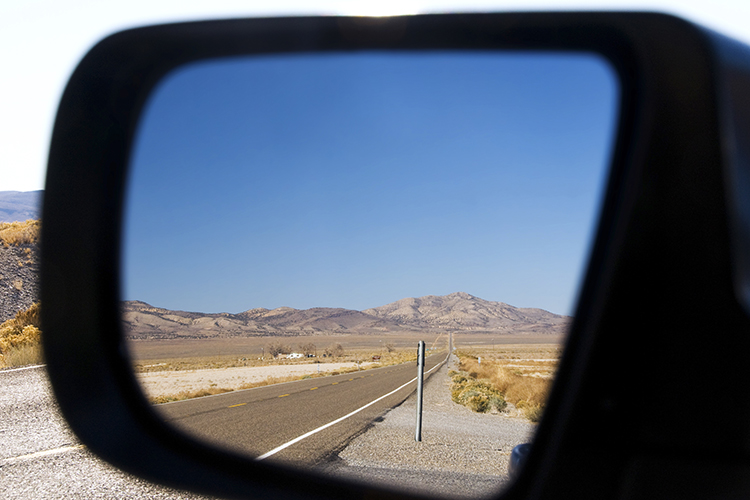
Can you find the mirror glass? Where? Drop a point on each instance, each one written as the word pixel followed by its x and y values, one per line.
pixel 295 225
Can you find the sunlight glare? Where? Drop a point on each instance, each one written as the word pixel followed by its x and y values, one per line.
pixel 383 8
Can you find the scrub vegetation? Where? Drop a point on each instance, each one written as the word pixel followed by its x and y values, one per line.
pixel 20 233
pixel 20 339
pixel 363 358
pixel 479 395
pixel 493 383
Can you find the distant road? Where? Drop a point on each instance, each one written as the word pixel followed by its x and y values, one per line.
pixel 302 422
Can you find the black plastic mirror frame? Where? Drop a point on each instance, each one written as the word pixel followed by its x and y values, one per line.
pixel 663 112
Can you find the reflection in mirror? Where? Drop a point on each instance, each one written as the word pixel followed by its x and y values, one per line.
pixel 296 224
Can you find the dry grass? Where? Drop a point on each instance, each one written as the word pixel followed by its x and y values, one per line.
pixel 188 395
pixel 226 361
pixel 201 363
pixel 20 233
pixel 479 395
pixel 20 339
pixel 523 382
pixel 194 363
pixel 29 354
pixel 248 354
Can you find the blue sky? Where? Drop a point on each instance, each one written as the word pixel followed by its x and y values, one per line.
pixel 356 180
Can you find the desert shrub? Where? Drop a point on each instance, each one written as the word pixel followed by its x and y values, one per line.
pixel 276 348
pixel 459 378
pixel 30 316
pixel 456 391
pixel 489 385
pixel 28 354
pixel 20 339
pixel 475 400
pixel 307 348
pixel 532 411
pixel 479 395
pixel 21 330
pixel 334 351
pixel 498 402
pixel 513 386
pixel 20 233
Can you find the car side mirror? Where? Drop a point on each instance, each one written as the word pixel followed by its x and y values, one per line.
pixel 668 261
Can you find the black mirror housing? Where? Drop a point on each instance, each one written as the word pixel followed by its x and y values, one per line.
pixel 664 293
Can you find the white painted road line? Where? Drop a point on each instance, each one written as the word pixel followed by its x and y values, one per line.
pixel 21 369
pixel 329 424
pixel 38 454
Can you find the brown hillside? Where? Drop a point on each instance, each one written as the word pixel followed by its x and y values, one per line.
pixel 462 311
pixel 455 312
pixel 19 267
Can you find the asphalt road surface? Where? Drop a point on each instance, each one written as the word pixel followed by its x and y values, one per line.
pixel 303 422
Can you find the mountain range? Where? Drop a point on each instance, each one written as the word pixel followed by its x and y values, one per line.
pixel 456 312
pixel 20 205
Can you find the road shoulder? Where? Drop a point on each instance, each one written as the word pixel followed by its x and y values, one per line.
pixel 462 453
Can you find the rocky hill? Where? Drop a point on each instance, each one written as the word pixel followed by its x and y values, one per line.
pixel 455 312
pixel 461 311
pixel 19 267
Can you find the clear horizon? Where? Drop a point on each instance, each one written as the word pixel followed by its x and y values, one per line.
pixel 334 307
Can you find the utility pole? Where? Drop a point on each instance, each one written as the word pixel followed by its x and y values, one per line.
pixel 420 383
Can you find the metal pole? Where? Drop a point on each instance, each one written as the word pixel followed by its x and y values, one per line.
pixel 420 383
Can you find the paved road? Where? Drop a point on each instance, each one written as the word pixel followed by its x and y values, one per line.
pixel 40 458
pixel 259 421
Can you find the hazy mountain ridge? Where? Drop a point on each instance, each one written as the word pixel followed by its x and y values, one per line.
pixel 455 312
pixel 462 311
pixel 20 205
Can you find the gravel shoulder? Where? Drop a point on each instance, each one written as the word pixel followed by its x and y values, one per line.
pixel 462 453
pixel 41 458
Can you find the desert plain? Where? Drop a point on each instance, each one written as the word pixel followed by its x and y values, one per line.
pixel 169 366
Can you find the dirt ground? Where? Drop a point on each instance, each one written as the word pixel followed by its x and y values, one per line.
pixel 171 382
pixel 514 348
pixel 253 347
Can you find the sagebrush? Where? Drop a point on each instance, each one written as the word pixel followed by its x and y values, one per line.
pixel 479 395
pixel 20 338
pixel 478 383
pixel 20 233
